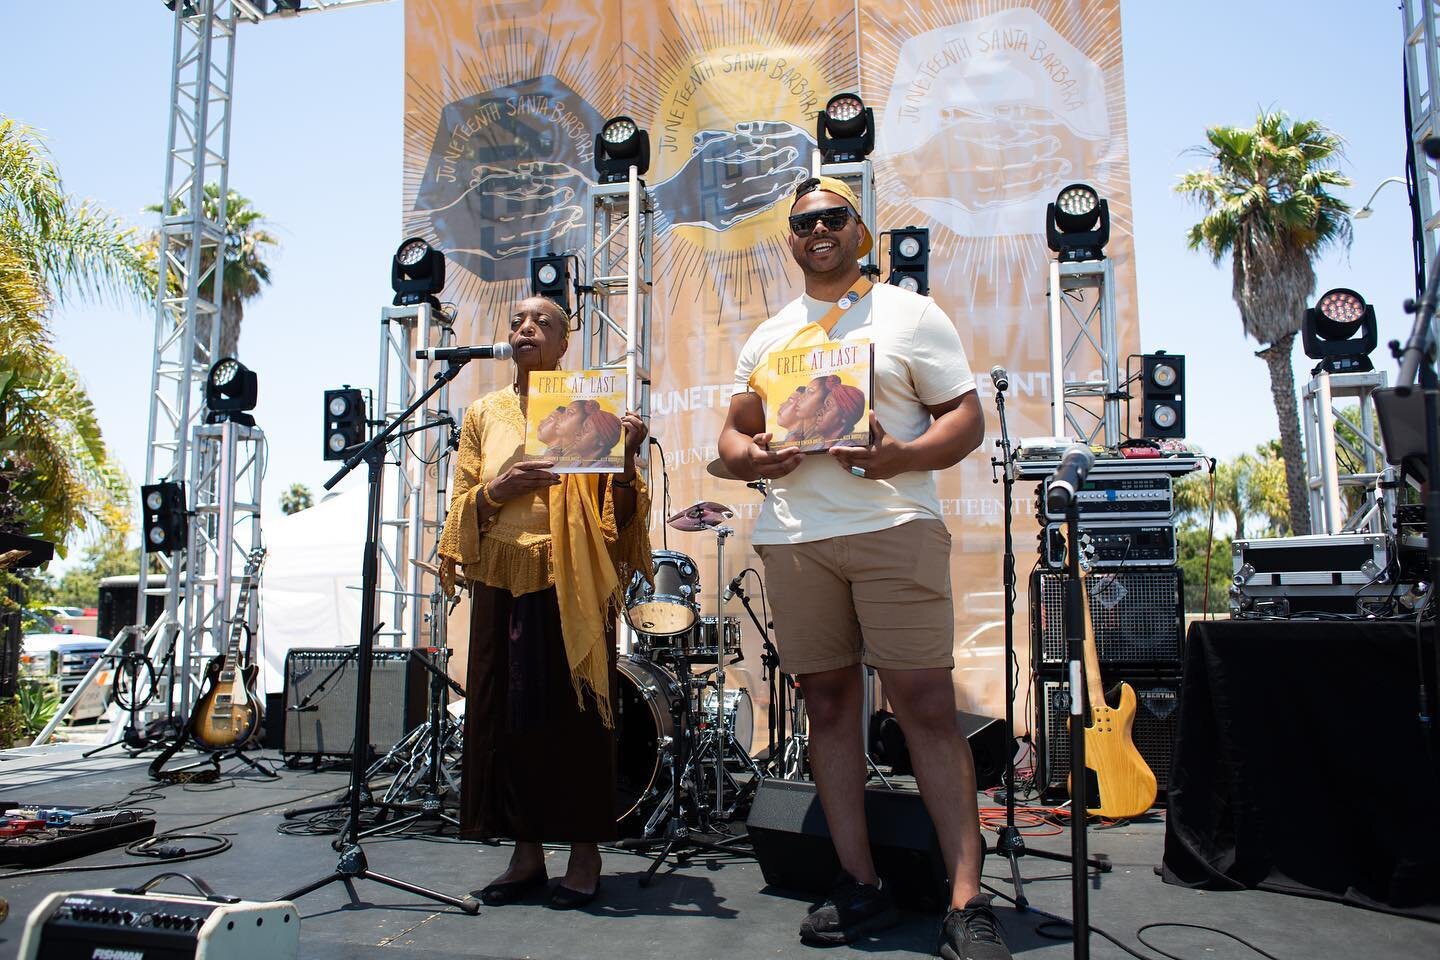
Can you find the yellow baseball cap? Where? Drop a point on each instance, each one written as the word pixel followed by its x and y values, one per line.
pixel 842 190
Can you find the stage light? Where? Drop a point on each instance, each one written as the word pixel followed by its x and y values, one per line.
pixel 417 274
pixel 620 145
pixel 1077 224
pixel 845 129
pixel 1162 404
pixel 1330 330
pixel 910 259
pixel 163 508
pixel 230 389
pixel 344 421
pixel 550 278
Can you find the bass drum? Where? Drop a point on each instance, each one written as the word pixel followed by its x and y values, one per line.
pixel 644 732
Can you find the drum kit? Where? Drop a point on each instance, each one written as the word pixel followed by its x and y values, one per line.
pixel 684 738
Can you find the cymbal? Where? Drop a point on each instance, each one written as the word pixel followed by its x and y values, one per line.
pixel 426 566
pixel 704 515
pixel 716 468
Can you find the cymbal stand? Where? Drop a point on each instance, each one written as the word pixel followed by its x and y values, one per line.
pixel 435 733
pixel 776 682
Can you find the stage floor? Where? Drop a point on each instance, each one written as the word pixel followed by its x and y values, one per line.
pixel 698 911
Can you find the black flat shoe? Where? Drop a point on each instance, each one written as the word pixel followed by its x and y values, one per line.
pixel 563 898
pixel 511 891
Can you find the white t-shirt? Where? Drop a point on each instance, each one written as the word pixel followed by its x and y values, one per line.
pixel 919 360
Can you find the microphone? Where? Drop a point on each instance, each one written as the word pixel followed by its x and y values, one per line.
pixel 1000 378
pixel 493 351
pixel 1068 478
pixel 734 586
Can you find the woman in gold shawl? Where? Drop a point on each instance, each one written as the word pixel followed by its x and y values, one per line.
pixel 546 557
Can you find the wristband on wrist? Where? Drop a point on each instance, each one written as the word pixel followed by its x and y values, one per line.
pixel 485 492
pixel 622 483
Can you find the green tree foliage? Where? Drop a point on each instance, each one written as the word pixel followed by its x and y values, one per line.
pixel 80 586
pixel 53 248
pixel 1267 205
pixel 297 498
pixel 1191 540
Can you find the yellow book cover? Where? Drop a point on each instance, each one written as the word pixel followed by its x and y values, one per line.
pixel 818 397
pixel 573 418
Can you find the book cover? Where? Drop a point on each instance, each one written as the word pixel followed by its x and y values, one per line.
pixel 573 418
pixel 818 397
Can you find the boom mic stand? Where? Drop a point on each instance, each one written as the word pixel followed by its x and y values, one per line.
pixel 352 864
pixel 1009 843
pixel 1079 788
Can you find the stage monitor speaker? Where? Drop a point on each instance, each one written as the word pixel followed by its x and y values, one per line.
pixel 1136 615
pixel 986 735
pixel 1157 718
pixel 792 842
pixel 325 725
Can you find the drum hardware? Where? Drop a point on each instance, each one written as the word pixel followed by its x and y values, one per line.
pixel 669 607
pixel 705 515
pixel 786 757
pixel 426 768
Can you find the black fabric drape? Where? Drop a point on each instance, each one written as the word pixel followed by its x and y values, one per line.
pixel 1301 766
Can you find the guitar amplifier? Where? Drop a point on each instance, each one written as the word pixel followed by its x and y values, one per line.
pixel 138 925
pixel 1157 718
pixel 1137 617
pixel 321 722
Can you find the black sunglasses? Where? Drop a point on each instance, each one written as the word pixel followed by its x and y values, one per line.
pixel 834 218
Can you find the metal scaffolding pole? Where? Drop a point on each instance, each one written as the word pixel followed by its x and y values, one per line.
pixel 1323 442
pixel 1422 63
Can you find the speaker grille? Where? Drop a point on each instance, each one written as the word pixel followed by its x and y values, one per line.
pixel 1134 614
pixel 326 724
pixel 1157 716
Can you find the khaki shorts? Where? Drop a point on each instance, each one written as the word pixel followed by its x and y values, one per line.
pixel 880 598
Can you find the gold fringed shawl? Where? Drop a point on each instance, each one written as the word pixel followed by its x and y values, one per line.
pixel 517 552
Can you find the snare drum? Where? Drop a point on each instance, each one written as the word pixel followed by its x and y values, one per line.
pixel 669 607
pixel 704 643
pixel 739 713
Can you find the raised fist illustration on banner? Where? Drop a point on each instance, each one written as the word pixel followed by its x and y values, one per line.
pixel 732 175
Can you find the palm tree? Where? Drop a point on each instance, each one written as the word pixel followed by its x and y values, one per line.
pixel 53 459
pixel 1265 202
pixel 246 271
pixel 1250 489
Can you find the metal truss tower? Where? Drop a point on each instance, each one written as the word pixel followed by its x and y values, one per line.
pixel 1422 65
pixel 1082 333
pixel 417 469
pixel 615 316
pixel 1323 442
pixel 187 325
pixel 859 175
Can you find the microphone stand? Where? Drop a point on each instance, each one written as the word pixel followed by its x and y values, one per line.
pixel 1417 363
pixel 1009 843
pixel 770 669
pixel 352 864
pixel 1079 787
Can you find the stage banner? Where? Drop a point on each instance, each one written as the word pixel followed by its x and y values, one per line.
pixel 984 111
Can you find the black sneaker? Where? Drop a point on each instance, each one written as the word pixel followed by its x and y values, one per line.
pixel 972 933
pixel 853 910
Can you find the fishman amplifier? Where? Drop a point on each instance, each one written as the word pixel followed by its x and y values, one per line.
pixel 1117 543
pixel 137 924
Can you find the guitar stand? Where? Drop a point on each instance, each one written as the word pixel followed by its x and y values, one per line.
pixel 238 753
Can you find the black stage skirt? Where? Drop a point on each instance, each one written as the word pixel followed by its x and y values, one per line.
pixel 536 766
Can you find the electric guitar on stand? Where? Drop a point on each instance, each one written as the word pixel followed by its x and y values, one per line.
pixel 1123 783
pixel 229 714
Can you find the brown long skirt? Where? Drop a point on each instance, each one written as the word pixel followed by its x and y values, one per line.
pixel 536 766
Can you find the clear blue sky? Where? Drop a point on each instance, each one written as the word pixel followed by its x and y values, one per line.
pixel 316 145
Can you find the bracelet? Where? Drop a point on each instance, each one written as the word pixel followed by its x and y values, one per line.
pixel 485 492
pixel 622 483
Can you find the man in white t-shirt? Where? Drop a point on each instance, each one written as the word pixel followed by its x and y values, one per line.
pixel 857 561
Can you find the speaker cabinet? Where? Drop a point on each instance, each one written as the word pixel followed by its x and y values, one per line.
pixel 1157 717
pixel 792 842
pixel 1137 617
pixel 986 735
pixel 320 699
